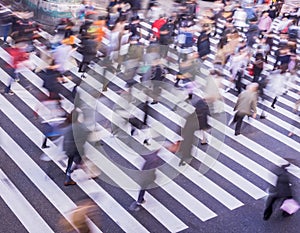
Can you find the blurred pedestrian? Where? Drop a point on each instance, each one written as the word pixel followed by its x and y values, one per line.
pixel 76 135
pixel 146 178
pixel 19 61
pixel 245 106
pixel 202 111
pixel 281 192
pixel 88 51
pixel 53 116
pixel 51 78
pixel 6 20
pixel 79 217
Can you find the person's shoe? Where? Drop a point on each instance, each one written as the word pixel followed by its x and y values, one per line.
pixel 290 134
pixel 9 93
pixel 143 202
pixel 135 206
pixel 266 217
pixel 132 132
pixel 45 146
pixel 68 183
pixel 204 143
pixel 237 133
pixel 181 163
pixel 154 102
pixel 146 142
pixel 262 117
pixel 272 106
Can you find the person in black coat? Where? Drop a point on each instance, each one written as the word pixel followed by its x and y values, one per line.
pixel 202 111
pixel 88 51
pixel 203 45
pixel 146 178
pixel 51 77
pixel 282 191
pixel 252 33
pixel 75 136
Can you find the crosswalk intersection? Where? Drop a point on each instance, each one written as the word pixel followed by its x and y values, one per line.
pixel 228 174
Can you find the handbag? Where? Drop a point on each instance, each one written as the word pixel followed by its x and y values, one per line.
pixel 290 206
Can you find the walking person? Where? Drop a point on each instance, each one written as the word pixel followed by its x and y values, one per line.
pixel 277 84
pixel 75 136
pixel 54 117
pixel 146 178
pixel 19 61
pixel 88 51
pixel 281 192
pixel 245 106
pixel 202 111
pixel 6 21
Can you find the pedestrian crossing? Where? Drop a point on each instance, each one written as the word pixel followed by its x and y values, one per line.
pixel 239 173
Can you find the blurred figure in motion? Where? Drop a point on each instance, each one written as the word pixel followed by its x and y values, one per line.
pixel 6 20
pixel 146 178
pixel 245 106
pixel 281 192
pixel 79 217
pixel 52 79
pixel 76 135
pixel 19 62
pixel 53 116
pixel 202 111
pixel 88 51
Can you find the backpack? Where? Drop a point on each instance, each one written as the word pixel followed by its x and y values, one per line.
pixel 185 39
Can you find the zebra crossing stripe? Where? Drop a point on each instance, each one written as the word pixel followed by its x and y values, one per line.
pixel 47 186
pixel 24 211
pixel 154 207
pixel 271 132
pixel 259 150
pixel 112 208
pixel 229 174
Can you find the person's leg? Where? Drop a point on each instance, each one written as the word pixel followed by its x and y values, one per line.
pixel 6 30
pixel 274 102
pixel 141 199
pixel 239 120
pixel 44 145
pixel 269 207
pixel 8 87
pixel 69 180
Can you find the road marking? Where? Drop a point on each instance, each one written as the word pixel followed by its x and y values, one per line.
pixel 24 211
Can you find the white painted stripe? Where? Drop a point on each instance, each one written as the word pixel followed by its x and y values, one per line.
pixel 207 185
pixel 185 199
pixel 192 204
pixel 21 207
pixel 259 150
pixel 44 183
pixel 154 207
pixel 112 208
pixel 229 174
pixel 268 130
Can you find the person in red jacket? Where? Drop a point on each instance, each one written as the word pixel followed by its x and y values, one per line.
pixel 157 25
pixel 18 55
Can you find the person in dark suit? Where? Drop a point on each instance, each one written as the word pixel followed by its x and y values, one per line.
pixel 281 191
pixel 245 106
pixel 75 136
pixel 88 51
pixel 146 178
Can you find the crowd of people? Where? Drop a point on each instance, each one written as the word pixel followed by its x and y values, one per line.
pixel 255 40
